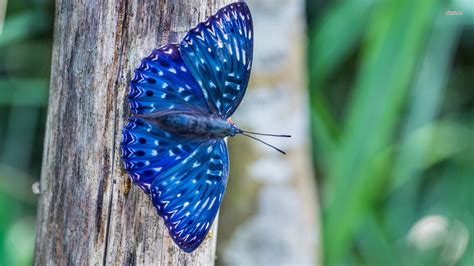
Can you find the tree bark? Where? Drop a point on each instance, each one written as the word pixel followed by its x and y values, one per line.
pixel 89 213
pixel 270 212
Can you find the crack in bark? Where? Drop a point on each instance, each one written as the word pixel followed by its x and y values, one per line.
pixel 121 28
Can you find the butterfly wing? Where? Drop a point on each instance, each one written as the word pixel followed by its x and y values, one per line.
pixel 207 74
pixel 218 52
pixel 188 195
pixel 163 82
pixel 148 151
pixel 185 177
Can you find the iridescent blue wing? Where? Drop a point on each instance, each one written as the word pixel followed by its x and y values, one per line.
pixel 148 151
pixel 163 82
pixel 218 52
pixel 188 195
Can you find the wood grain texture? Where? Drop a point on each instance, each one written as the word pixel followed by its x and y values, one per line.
pixel 88 212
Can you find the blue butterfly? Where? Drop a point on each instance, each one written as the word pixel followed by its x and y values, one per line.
pixel 182 96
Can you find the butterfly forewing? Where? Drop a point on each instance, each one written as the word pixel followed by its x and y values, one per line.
pixel 163 82
pixel 218 52
pixel 188 196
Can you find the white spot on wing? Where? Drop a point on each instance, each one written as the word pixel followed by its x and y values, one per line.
pixel 197 204
pixel 212 203
pixel 205 203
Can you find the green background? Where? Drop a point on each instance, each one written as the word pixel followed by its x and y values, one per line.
pixel 391 88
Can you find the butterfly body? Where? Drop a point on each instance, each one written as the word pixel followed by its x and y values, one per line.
pixel 181 97
pixel 194 125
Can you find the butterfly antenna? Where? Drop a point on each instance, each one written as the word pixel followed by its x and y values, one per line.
pixel 265 134
pixel 268 144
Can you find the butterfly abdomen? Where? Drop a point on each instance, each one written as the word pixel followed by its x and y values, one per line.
pixel 194 125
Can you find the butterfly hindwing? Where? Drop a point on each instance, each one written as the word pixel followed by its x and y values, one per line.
pixel 188 195
pixel 163 82
pixel 218 52
pixel 148 151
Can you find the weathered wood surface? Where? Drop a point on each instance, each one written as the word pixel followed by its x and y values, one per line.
pixel 88 212
pixel 270 213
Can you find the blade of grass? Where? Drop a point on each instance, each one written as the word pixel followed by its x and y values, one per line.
pixel 328 49
pixel 397 32
pixel 335 36
pixel 418 133
pixel 427 93
pixel 324 136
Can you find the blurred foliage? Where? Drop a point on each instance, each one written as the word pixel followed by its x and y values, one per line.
pixel 25 55
pixel 392 112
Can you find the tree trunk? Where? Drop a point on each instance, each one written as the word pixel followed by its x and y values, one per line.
pixel 89 213
pixel 270 213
